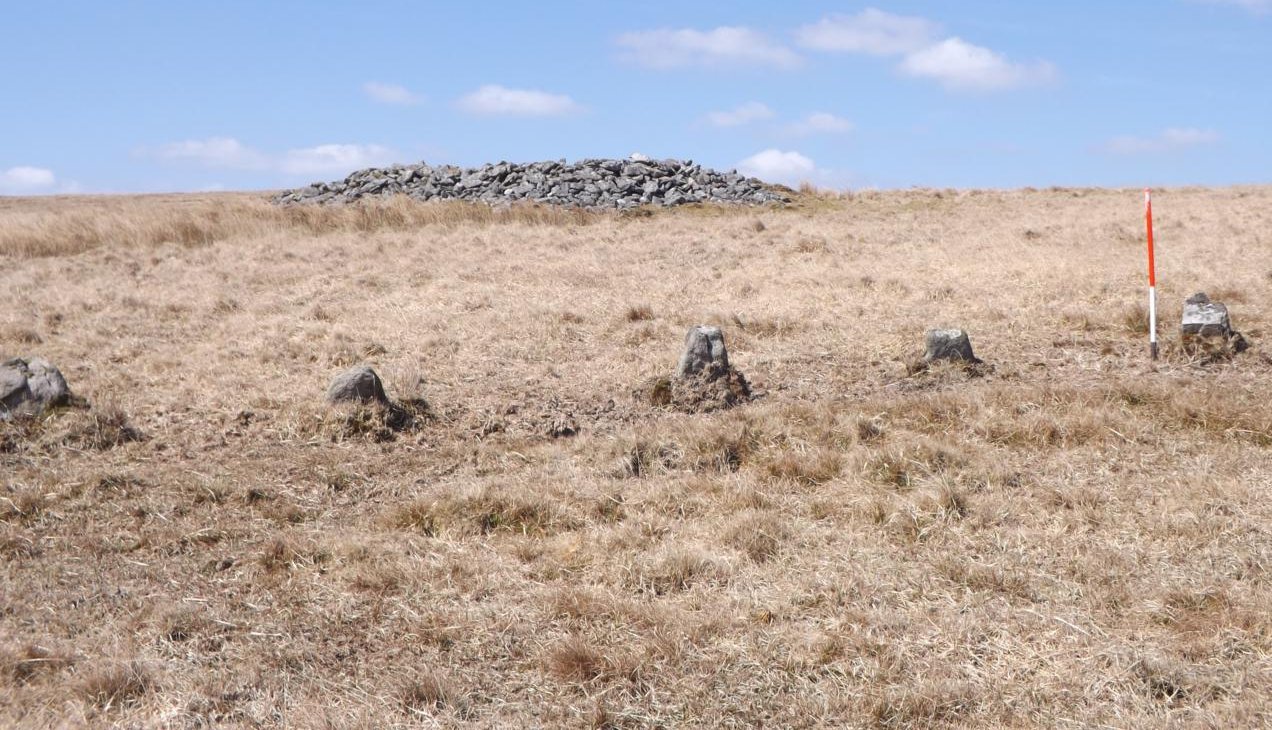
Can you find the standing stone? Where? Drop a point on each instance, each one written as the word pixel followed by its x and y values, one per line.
pixel 357 385
pixel 948 344
pixel 1204 318
pixel 30 387
pixel 704 351
pixel 1205 326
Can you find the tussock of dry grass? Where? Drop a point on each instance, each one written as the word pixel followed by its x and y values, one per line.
pixel 1070 536
pixel 114 684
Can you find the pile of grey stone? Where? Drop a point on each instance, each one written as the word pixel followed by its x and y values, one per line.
pixel 613 184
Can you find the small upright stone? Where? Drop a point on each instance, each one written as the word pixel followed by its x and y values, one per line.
pixel 704 351
pixel 1206 328
pixel 703 380
pixel 949 344
pixel 357 385
pixel 30 387
pixel 1204 318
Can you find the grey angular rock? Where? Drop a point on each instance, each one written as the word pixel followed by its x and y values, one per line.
pixel 31 386
pixel 949 344
pixel 704 352
pixel 1204 318
pixel 1205 327
pixel 357 385
pixel 703 380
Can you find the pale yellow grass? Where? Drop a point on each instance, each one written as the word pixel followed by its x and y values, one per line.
pixel 1076 539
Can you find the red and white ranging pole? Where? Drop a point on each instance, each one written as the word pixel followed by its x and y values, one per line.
pixel 1152 277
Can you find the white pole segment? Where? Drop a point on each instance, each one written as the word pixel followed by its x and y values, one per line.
pixel 1152 320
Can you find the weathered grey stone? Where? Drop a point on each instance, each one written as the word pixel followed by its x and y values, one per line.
pixel 703 381
pixel 357 385
pixel 1205 328
pixel 948 344
pixel 31 386
pixel 1204 318
pixel 704 352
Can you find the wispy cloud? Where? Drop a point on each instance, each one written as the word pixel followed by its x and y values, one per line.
pixel 773 165
pixel 871 31
pixel 952 62
pixel 960 66
pixel 1258 7
pixel 333 158
pixel 216 152
pixel 1169 140
pixel 725 46
pixel 495 100
pixel 820 123
pixel 24 179
pixel 752 111
pixel 227 153
pixel 391 94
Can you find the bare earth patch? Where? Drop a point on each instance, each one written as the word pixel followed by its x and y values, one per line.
pixel 1068 537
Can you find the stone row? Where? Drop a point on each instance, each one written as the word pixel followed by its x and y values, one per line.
pixel 702 380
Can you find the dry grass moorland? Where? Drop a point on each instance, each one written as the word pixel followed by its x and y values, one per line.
pixel 1074 538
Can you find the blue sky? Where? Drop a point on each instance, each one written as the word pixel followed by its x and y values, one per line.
pixel 170 96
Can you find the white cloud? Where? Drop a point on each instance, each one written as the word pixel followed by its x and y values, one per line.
pixel 334 158
pixel 752 111
pixel 1168 140
pixel 960 66
pixel 953 62
pixel 495 100
pixel 871 31
pixel 774 165
pixel 217 152
pixel 723 46
pixel 24 179
pixel 230 154
pixel 820 123
pixel 391 94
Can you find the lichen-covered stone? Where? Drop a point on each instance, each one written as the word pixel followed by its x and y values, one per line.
pixel 1206 328
pixel 949 344
pixel 704 353
pixel 1204 318
pixel 703 380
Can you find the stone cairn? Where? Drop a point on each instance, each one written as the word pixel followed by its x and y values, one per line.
pixel 1206 329
pixel 614 184
pixel 703 379
pixel 30 387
